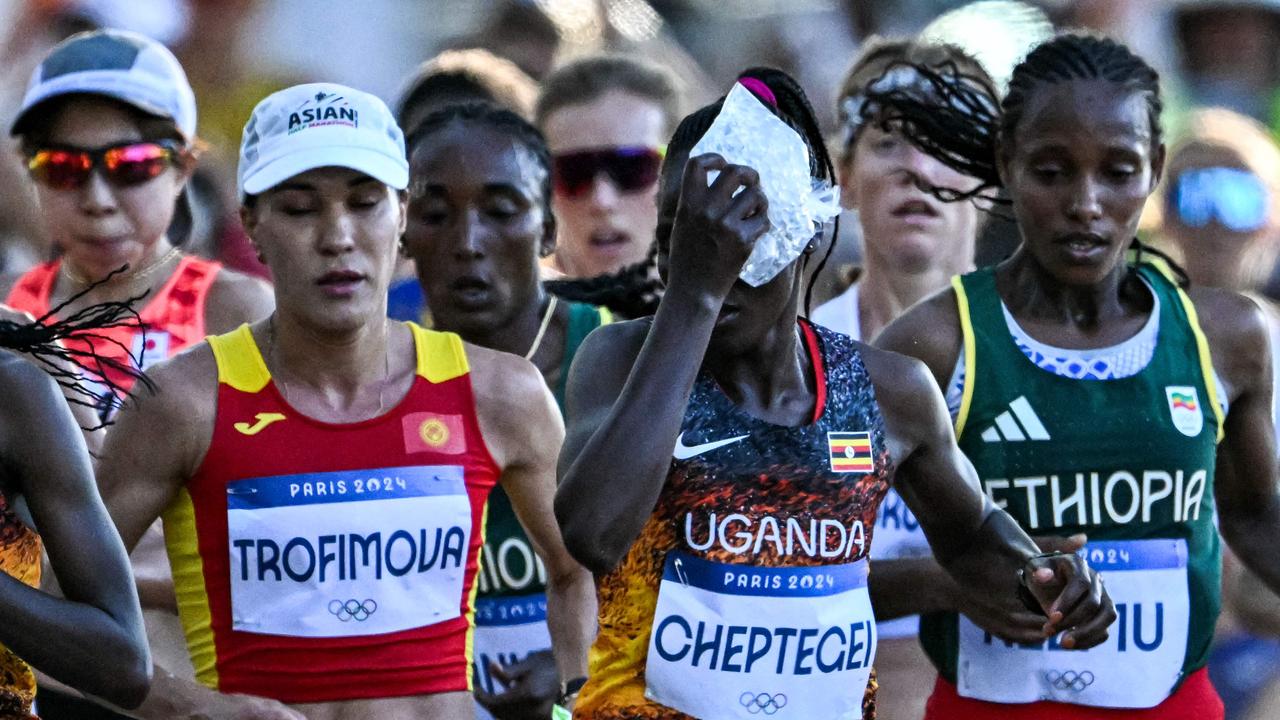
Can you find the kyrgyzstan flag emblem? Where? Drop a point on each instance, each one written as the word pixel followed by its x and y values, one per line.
pixel 850 452
pixel 434 432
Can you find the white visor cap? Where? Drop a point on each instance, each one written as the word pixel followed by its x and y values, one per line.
pixel 320 125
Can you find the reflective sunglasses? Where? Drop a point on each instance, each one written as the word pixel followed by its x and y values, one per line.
pixel 1236 198
pixel 629 168
pixel 67 168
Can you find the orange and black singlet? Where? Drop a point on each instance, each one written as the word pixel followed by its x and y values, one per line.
pixel 745 594
pixel 319 562
pixel 171 320
pixel 20 558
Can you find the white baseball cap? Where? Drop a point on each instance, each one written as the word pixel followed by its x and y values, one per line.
pixel 320 125
pixel 121 65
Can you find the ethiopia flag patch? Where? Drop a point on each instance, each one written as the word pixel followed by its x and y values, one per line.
pixel 850 452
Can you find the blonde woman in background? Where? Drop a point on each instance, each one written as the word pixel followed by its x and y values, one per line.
pixel 1220 215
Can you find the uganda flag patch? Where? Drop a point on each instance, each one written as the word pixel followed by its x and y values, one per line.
pixel 850 452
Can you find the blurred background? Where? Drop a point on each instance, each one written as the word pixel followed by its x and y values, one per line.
pixel 1220 54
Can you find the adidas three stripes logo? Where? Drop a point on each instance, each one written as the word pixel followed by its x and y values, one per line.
pixel 1016 424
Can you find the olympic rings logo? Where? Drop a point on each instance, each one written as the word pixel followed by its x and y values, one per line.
pixel 757 703
pixel 352 609
pixel 1069 680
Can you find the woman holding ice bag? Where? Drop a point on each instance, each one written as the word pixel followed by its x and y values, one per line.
pixel 724 459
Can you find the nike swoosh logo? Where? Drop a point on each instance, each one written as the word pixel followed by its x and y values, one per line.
pixel 684 452
pixel 263 420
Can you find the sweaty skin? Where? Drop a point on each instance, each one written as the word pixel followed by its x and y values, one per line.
pixel 93 639
pixel 745 337
pixel 341 361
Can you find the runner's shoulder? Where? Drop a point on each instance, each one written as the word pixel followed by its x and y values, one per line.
pixel 617 343
pixel 236 298
pixel 928 331
pixel 1237 328
pixel 183 387
pixel 503 377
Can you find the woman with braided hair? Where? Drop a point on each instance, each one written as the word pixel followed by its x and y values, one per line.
pixel 93 640
pixel 723 465
pixel 1096 392
pixel 479 221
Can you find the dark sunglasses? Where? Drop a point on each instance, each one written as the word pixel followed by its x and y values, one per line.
pixel 67 168
pixel 631 169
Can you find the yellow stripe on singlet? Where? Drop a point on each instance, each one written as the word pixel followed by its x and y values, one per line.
pixel 970 354
pixel 240 364
pixel 471 601
pixel 188 584
pixel 441 356
pixel 1206 359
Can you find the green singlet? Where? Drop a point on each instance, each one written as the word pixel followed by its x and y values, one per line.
pixel 1130 462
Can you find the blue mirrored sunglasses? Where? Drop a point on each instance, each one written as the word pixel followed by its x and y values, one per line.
pixel 1237 199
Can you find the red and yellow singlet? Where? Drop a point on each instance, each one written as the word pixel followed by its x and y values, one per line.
pixel 317 562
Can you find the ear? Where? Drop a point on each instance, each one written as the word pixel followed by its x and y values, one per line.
pixel 402 198
pixel 249 220
pixel 1003 159
pixel 1157 165
pixel 547 243
pixel 848 198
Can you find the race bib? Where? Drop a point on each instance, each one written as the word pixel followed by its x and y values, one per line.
pixel 1136 667
pixel 350 553
pixel 739 641
pixel 508 630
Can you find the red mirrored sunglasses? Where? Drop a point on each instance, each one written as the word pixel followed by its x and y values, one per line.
pixel 629 168
pixel 67 168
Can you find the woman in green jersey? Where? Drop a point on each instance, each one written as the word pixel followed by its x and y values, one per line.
pixel 1097 394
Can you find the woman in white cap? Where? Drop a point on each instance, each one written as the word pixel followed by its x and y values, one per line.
pixel 107 131
pixel 323 473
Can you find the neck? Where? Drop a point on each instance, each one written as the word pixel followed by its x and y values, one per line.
pixel 1031 291
pixel 145 272
pixel 336 363
pixel 769 373
pixel 884 294
pixel 516 336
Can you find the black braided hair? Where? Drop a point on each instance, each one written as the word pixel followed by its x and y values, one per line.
pixel 632 292
pixel 494 118
pixel 792 107
pixel 956 124
pixel 42 339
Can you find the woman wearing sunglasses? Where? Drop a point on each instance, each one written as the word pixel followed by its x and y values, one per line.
pixel 1220 212
pixel 107 132
pixel 605 119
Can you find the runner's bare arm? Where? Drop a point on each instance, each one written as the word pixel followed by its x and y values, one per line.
pixel 522 426
pixel 93 639
pixel 980 546
pixel 156 444
pixel 1245 475
pixel 623 428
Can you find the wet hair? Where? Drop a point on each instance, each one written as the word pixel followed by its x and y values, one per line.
pixel 463 76
pixel 956 124
pixel 879 55
pixel 585 79
pixel 494 118
pixel 42 338
pixel 792 106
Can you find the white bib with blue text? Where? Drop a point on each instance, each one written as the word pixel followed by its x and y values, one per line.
pixel 740 641
pixel 348 553
pixel 1136 667
pixel 508 630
